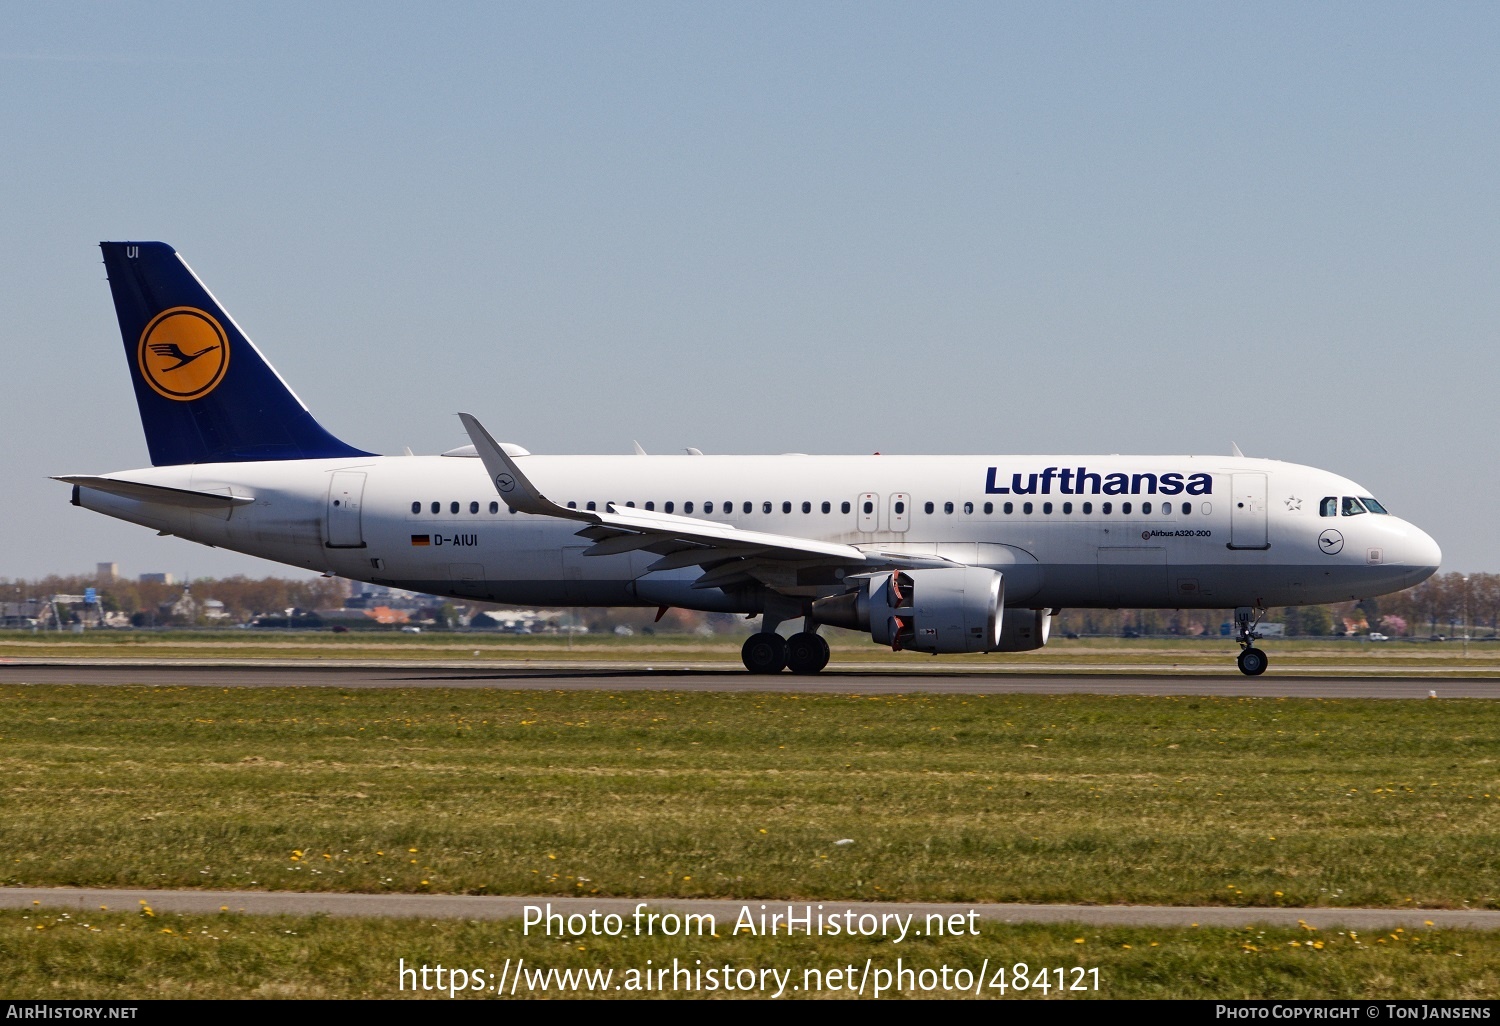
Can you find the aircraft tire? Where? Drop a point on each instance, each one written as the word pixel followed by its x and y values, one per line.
pixel 1253 662
pixel 806 653
pixel 764 653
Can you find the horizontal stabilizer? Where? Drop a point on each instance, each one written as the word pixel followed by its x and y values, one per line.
pixel 183 497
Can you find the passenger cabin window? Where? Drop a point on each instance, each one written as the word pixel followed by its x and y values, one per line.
pixel 668 506
pixel 1088 507
pixel 806 506
pixel 1352 506
pixel 452 507
pixel 1125 508
pixel 437 507
pixel 708 507
pixel 900 507
pixel 1010 507
pixel 844 506
pixel 1026 508
pixel 1067 507
pixel 1145 507
pixel 748 506
pixel 1329 507
pixel 1106 507
pixel 687 507
pixel 473 507
pixel 651 505
pixel 1047 508
pixel 927 507
pixel 765 507
pixel 989 507
pixel 827 506
pixel 947 507
pixel 494 507
pixel 786 506
pixel 589 504
pixel 416 507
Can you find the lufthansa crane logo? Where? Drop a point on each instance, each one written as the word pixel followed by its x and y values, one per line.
pixel 183 353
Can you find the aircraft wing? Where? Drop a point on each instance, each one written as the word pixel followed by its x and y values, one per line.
pixel 185 497
pixel 680 541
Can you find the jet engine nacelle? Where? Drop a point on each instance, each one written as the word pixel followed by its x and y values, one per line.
pixel 1024 630
pixel 955 609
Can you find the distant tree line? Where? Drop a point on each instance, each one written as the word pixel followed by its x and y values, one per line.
pixel 1446 604
pixel 149 603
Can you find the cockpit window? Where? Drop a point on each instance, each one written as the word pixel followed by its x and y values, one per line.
pixel 1329 507
pixel 1352 506
pixel 1372 505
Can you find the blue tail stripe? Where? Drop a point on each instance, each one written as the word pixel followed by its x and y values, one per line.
pixel 205 393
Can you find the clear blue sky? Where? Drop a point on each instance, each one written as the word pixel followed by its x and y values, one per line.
pixel 989 228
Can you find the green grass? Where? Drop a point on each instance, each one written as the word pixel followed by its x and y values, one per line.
pixel 1273 802
pixel 1093 654
pixel 45 954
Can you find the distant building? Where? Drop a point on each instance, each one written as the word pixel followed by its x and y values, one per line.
pixel 107 573
pixel 158 579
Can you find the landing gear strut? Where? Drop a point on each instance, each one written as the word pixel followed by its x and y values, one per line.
pixel 1252 661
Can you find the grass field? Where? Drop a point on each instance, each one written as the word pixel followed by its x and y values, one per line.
pixel 146 954
pixel 941 797
pixel 1098 654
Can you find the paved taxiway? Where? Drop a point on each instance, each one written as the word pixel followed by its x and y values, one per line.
pixel 463 906
pixel 833 681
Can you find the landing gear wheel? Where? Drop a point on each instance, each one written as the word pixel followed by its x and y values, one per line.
pixel 1253 662
pixel 806 653
pixel 764 653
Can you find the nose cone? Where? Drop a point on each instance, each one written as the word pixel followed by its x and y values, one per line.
pixel 1420 554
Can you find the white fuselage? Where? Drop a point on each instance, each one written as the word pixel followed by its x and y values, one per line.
pixel 1079 531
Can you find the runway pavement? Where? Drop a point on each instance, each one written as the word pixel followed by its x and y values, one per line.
pixel 632 677
pixel 463 906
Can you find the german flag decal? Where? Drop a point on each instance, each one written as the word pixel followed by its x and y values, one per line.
pixel 421 539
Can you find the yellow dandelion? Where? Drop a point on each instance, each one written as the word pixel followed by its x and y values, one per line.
pixel 1077 940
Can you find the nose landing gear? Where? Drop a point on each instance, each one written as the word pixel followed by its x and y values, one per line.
pixel 1252 661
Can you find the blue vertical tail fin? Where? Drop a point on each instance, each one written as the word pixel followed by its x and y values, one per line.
pixel 205 393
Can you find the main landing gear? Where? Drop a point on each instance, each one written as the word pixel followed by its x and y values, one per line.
pixel 1252 661
pixel 767 652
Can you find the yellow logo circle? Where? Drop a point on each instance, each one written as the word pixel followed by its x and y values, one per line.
pixel 183 353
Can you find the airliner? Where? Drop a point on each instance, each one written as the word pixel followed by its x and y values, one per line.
pixel 932 554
